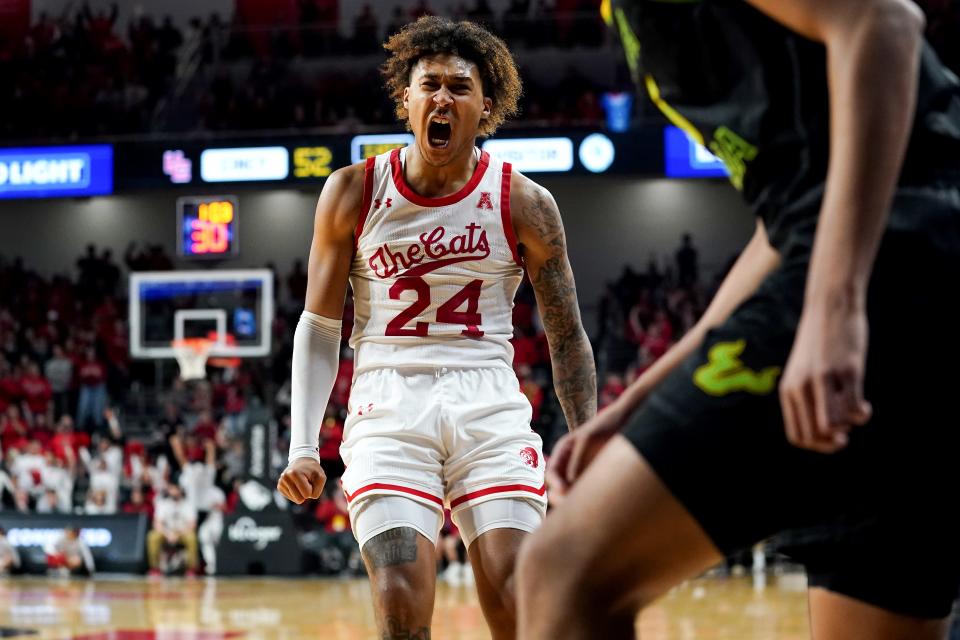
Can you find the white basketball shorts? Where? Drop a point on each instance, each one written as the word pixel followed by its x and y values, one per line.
pixel 443 437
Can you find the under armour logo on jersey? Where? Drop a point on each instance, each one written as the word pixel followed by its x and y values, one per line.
pixel 485 201
pixel 376 203
pixel 367 408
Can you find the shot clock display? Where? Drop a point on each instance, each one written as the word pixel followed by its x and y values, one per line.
pixel 207 227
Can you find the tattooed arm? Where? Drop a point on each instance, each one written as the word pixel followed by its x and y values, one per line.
pixel 543 246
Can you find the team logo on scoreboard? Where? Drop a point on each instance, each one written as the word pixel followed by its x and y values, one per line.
pixel 177 166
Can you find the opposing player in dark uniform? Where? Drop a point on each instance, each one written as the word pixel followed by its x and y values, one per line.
pixel 820 382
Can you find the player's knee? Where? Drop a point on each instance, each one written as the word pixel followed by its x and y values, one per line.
pixel 549 567
pixel 399 589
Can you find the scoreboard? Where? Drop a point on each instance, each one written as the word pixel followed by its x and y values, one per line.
pixel 207 227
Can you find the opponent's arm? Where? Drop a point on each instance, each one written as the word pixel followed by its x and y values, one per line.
pixel 574 451
pixel 316 341
pixel 544 248
pixel 873 57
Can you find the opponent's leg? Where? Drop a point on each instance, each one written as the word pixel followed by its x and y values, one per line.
pixel 618 541
pixel 834 616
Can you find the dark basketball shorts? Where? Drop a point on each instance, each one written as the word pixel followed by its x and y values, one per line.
pixel 878 520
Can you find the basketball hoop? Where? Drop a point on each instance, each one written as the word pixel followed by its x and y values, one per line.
pixel 192 355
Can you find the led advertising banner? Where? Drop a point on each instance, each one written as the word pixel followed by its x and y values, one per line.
pixel 363 147
pixel 56 172
pixel 685 158
pixel 117 542
pixel 308 161
pixel 246 164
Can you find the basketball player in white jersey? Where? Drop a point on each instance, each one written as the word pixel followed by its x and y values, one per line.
pixel 434 240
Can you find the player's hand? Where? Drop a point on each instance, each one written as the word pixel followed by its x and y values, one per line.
pixel 576 450
pixel 303 479
pixel 821 392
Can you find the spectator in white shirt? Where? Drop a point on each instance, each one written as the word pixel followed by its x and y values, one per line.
pixel 211 530
pixel 27 468
pixel 174 523
pixel 103 479
pixel 56 475
pixel 70 555
pixel 49 502
pixel 197 479
pixel 96 504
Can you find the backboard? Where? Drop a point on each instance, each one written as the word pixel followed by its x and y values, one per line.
pixel 232 307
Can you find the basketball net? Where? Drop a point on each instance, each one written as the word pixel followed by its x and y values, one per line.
pixel 192 357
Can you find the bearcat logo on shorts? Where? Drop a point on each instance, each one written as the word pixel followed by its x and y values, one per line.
pixel 530 457
pixel 726 373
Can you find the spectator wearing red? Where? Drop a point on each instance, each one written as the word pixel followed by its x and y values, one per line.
pixel 332 514
pixel 206 427
pixel 340 396
pixel 37 392
pixel 13 429
pixel 655 341
pixel 10 391
pixel 116 345
pixel 613 386
pixel 532 390
pixel 335 542
pixel 638 317
pixel 39 430
pixel 66 442
pixel 527 350
pixel 523 315
pixel 137 503
pixel 92 401
pixel 331 436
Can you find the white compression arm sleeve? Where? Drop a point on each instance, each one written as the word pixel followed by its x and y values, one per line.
pixel 316 357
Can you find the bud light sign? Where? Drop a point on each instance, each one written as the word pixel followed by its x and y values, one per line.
pixel 56 172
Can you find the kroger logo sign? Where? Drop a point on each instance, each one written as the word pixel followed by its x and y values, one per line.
pixel 247 530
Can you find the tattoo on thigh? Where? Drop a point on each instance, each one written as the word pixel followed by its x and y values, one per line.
pixel 390 548
pixel 397 631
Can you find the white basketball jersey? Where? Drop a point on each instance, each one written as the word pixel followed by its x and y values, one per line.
pixel 434 278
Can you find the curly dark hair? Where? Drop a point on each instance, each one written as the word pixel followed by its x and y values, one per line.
pixel 431 35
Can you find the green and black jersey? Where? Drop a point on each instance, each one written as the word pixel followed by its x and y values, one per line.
pixel 755 94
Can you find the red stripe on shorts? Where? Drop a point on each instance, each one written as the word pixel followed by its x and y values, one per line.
pixel 501 489
pixel 393 487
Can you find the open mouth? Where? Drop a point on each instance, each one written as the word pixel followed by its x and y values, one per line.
pixel 438 132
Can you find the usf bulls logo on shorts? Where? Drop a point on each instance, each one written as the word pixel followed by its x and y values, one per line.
pixel 725 373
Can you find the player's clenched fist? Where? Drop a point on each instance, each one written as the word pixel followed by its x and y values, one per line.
pixel 303 479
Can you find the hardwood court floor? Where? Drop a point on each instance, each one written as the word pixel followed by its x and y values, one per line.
pixel 282 609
